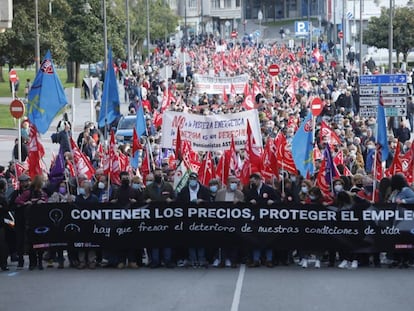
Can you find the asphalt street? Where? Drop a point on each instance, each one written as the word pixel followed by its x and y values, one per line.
pixel 187 289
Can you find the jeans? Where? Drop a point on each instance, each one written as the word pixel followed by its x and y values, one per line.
pixel 268 254
pixel 155 255
pixel 197 255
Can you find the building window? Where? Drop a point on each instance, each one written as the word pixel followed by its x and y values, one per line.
pixel 238 3
pixel 215 4
pixel 192 4
pixel 227 4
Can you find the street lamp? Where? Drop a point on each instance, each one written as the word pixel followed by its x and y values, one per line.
pixel 128 36
pixel 105 35
pixel 148 32
pixel 37 39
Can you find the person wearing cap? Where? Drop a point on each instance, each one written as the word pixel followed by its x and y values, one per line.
pixel 262 195
pixel 20 220
pixel 159 191
pixel 195 192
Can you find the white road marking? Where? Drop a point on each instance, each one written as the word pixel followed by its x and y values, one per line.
pixel 237 292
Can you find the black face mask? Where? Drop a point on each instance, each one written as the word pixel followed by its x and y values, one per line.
pixel 125 182
pixel 253 186
pixel 157 179
pixel 359 185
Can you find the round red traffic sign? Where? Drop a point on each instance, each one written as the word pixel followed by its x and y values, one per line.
pixel 13 76
pixel 234 34
pixel 273 70
pixel 316 106
pixel 340 35
pixel 17 109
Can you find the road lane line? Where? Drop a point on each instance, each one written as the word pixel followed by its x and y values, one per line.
pixel 237 291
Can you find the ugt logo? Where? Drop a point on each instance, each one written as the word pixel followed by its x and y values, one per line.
pixel 47 67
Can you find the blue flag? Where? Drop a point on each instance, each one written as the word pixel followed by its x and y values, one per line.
pixel 109 111
pixel 302 147
pixel 46 97
pixel 382 138
pixel 140 125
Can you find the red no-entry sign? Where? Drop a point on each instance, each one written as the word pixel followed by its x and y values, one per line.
pixel 316 106
pixel 273 70
pixel 13 76
pixel 17 109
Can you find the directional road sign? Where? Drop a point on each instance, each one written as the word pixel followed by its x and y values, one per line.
pixel 394 94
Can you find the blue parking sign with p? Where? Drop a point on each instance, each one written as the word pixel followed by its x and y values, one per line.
pixel 302 28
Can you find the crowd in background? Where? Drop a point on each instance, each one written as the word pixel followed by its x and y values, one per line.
pixel 304 74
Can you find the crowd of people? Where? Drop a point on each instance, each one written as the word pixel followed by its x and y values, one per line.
pixel 283 103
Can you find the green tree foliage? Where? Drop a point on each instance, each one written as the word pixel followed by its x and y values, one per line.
pixel 163 21
pixel 377 33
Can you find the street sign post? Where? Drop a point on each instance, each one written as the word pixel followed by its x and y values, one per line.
pixel 17 111
pixel 393 90
pixel 316 106
pixel 13 79
pixel 273 70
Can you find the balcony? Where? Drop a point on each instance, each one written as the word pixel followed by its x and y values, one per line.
pixel 226 13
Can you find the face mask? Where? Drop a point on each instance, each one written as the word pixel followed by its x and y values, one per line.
pixel 213 188
pixel 136 186
pixel 359 185
pixel 82 191
pixel 157 179
pixel 149 182
pixel 293 178
pixel 62 190
pixel 101 185
pixel 304 189
pixel 312 197
pixel 338 188
pixel 253 186
pixel 371 147
pixel 193 183
pixel 233 186
pixel 125 182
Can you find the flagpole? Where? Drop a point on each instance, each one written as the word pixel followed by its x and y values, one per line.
pixel 374 184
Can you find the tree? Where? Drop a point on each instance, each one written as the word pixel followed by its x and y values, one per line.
pixel 163 21
pixel 403 38
pixel 84 34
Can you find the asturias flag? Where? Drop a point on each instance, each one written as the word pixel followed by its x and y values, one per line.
pixel 302 147
pixel 46 97
pixel 109 111
pixel 382 138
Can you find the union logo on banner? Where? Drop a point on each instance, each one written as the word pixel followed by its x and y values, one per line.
pixel 308 126
pixel 47 67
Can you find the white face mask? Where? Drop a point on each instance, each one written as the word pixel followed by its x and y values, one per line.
pixel 338 188
pixel 101 185
pixel 304 189
pixel 233 186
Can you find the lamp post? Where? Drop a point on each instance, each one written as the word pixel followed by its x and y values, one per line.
pixel 128 36
pixel 105 35
pixel 390 37
pixel 148 32
pixel 37 39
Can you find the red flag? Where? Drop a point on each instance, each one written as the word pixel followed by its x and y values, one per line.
pixel 81 162
pixel 270 166
pixel 255 152
pixel 223 166
pixel 233 91
pixel 178 146
pixel 157 119
pixel 36 153
pixel 190 157
pixel 378 173
pixel 112 165
pixel 339 159
pixel 206 171
pixel 225 97
pixel 321 179
pixel 284 155
pixel 396 165
pixel 235 165
pixel 326 134
pixel 248 100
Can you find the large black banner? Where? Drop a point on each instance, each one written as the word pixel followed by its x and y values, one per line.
pixel 307 227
